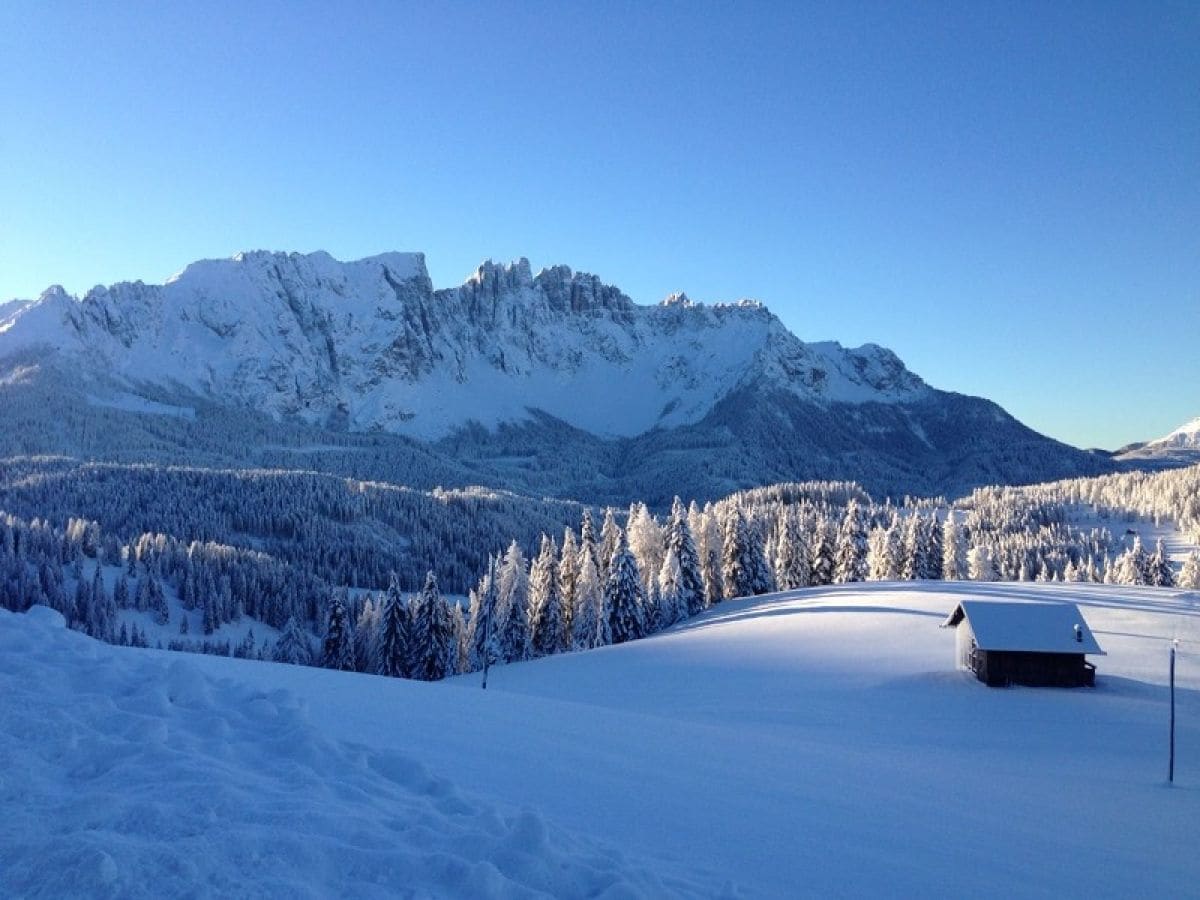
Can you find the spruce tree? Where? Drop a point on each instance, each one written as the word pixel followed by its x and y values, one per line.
pixel 293 646
pixel 589 624
pixel 624 600
pixel 954 550
pixel 672 594
pixel 1189 575
pixel 791 553
pixel 512 616
pixel 850 563
pixel 392 655
pixel 434 644
pixel 549 622
pixel 338 649
pixel 568 576
pixel 611 538
pixel 680 540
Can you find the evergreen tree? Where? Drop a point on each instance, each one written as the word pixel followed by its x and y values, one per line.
pixel 672 593
pixel 743 563
pixel 293 646
pixel 434 644
pixel 980 566
pixel 1189 575
pixel 550 634
pixel 1158 568
pixel 338 649
pixel 611 537
pixel 709 544
pixel 392 655
pixel 821 553
pixel 850 563
pixel 512 607
pixel 568 577
pixel 792 570
pixel 623 597
pixel 680 540
pixel 485 640
pixel 954 550
pixel 646 542
pixel 366 636
pixel 589 620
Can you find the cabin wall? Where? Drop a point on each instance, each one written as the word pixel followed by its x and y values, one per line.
pixel 998 668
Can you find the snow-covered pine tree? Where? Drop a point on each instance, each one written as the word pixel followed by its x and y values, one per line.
pixel 568 577
pixel 821 552
pixel 293 645
pixel 672 596
pixel 850 563
pixel 980 566
pixel 1158 568
pixel 1189 575
pixel 512 607
pixel 646 542
pixel 880 565
pixel 913 550
pixel 792 570
pixel 550 634
pixel 679 538
pixel 709 538
pixel 338 649
pixel 392 653
pixel 589 624
pixel 954 549
pixel 433 645
pixel 485 641
pixel 623 597
pixel 366 636
pixel 611 537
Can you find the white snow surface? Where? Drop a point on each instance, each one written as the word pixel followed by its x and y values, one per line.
pixel 133 773
pixel 815 743
pixel 370 344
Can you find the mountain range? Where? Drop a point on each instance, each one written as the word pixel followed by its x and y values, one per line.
pixel 556 383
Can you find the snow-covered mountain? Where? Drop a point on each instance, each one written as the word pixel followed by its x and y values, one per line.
pixel 512 364
pixel 371 344
pixel 1180 447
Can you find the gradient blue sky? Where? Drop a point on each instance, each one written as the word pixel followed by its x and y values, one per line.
pixel 1007 194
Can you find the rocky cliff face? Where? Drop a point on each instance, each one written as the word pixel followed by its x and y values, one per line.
pixel 371 344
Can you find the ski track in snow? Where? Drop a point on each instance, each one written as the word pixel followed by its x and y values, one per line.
pixel 128 773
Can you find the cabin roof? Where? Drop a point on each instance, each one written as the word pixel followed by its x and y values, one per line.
pixel 1030 627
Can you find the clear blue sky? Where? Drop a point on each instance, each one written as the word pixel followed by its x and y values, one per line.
pixel 1007 194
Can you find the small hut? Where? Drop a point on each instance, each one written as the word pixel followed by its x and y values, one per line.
pixel 1031 643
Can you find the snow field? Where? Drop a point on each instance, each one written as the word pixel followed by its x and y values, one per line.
pixel 132 773
pixel 815 743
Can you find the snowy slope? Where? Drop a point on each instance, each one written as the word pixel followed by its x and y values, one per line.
pixel 133 774
pixel 818 743
pixel 371 344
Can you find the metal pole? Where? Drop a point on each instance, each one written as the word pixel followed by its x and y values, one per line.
pixel 488 601
pixel 1171 764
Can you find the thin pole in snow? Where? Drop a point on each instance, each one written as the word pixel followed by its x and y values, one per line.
pixel 1171 764
pixel 488 602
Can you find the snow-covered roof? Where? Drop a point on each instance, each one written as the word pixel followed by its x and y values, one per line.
pixel 1032 627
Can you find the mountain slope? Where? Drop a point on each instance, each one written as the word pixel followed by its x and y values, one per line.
pixel 538 382
pixel 1179 448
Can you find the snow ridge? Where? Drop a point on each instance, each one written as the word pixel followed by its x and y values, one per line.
pixel 370 344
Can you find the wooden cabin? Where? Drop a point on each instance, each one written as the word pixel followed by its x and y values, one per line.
pixel 1031 643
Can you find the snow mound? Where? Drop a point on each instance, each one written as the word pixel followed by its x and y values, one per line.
pixel 129 774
